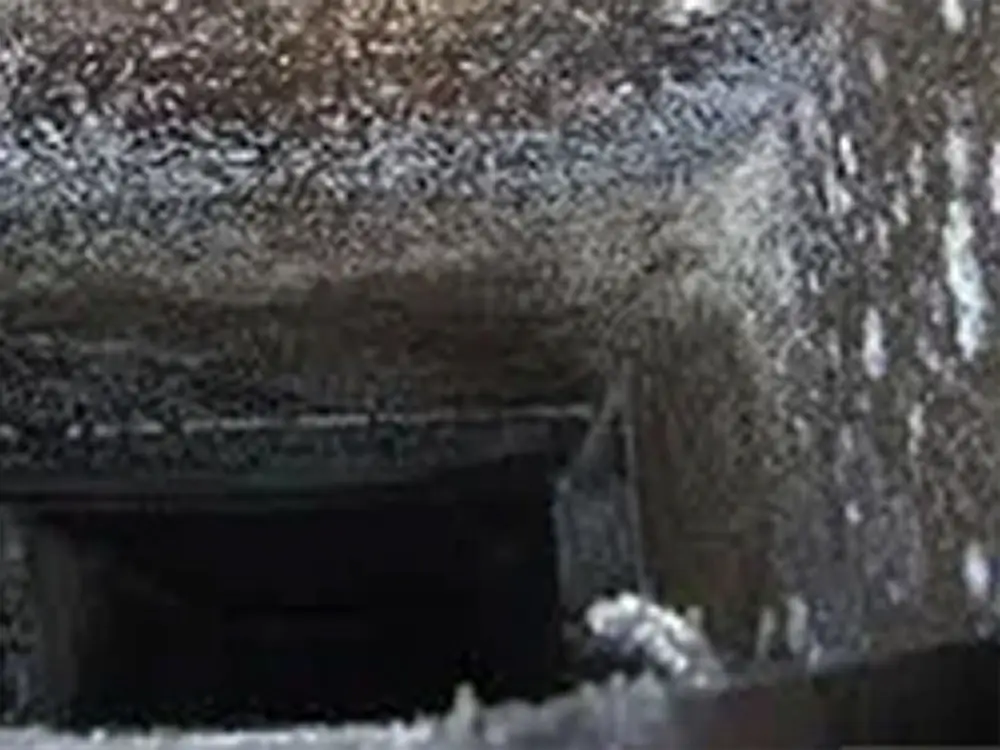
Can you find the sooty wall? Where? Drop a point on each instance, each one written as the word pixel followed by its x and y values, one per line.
pixel 319 605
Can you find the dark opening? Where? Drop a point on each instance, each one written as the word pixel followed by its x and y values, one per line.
pixel 367 602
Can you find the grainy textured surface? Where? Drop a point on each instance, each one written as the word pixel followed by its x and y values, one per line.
pixel 945 697
pixel 182 163
pixel 783 222
pixel 635 715
pixel 623 712
pixel 897 429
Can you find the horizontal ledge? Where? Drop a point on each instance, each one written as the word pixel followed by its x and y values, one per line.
pixel 309 422
pixel 287 469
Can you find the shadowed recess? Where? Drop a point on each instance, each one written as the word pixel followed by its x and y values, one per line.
pixel 372 602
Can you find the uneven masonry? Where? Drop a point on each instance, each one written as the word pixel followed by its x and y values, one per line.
pixel 765 242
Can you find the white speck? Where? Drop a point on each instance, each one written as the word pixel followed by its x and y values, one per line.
pixel 873 350
pixel 816 656
pixel 877 67
pixel 995 178
pixel 813 282
pixel 846 438
pixel 916 167
pixel 953 14
pixel 848 156
pixel 838 195
pixel 883 233
pixel 916 424
pixel 682 11
pixel 976 572
pixel 767 628
pixel 161 51
pixel 928 354
pixel 965 279
pixel 797 625
pixel 964 276
pixel 834 349
pixel 803 431
pixel 695 618
pixel 901 207
pixel 936 298
pixel 852 512
pixel 957 152
pixel 895 591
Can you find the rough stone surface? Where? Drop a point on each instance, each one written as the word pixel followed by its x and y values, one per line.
pixel 777 224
